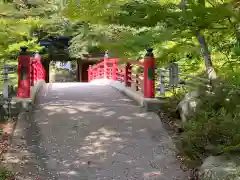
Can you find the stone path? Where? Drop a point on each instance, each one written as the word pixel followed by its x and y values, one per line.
pixel 91 132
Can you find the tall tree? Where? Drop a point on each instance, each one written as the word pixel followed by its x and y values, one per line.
pixel 24 22
pixel 202 41
pixel 130 26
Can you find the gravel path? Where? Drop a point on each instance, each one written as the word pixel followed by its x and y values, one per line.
pixel 91 132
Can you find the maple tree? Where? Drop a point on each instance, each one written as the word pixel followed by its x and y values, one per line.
pixel 182 31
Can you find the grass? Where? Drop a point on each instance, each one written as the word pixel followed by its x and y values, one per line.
pixel 6 174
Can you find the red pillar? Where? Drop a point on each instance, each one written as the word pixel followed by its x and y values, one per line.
pixel 128 73
pixel 24 74
pixel 149 74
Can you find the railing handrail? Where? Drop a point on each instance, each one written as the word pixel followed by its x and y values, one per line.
pixel 175 79
pixel 109 68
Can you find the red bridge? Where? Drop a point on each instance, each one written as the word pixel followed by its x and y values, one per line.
pixel 94 130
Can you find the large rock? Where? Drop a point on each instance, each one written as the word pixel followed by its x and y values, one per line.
pixel 220 168
pixel 187 106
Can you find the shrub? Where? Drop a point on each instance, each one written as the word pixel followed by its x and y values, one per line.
pixel 5 174
pixel 215 128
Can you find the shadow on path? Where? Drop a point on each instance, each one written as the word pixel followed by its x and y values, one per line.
pixel 90 132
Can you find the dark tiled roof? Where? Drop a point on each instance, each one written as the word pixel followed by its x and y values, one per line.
pixel 62 39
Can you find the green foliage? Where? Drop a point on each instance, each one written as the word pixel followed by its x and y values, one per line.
pixel 126 28
pixel 6 175
pixel 23 23
pixel 215 128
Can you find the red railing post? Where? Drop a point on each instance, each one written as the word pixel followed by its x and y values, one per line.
pixel 31 72
pixel 97 72
pixel 149 74
pixel 127 75
pixel 34 72
pixel 105 65
pixel 38 69
pixel 89 73
pixel 114 69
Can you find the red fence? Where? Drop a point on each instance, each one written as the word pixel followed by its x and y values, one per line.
pixel 37 70
pixel 140 80
pixel 30 70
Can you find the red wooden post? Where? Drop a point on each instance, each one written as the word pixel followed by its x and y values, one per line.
pixel 127 75
pixel 31 72
pixel 114 70
pixel 137 82
pixel 24 74
pixel 94 71
pixel 40 71
pixel 34 72
pixel 89 73
pixel 105 65
pixel 149 74
pixel 98 70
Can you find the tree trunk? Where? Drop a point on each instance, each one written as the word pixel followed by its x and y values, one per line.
pixel 204 47
pixel 207 56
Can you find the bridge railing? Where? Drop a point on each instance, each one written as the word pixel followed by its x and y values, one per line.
pixel 172 79
pixel 144 77
pixel 31 74
pixel 133 74
pixel 37 71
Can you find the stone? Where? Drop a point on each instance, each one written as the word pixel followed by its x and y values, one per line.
pixel 220 168
pixel 187 106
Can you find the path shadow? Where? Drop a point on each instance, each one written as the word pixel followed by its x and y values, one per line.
pixel 26 156
pixel 95 133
